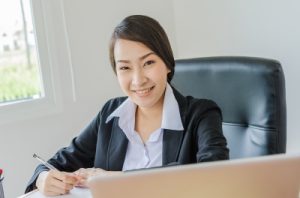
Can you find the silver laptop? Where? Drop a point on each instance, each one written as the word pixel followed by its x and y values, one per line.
pixel 276 176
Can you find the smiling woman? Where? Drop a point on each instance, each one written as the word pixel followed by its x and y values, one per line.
pixel 19 73
pixel 154 126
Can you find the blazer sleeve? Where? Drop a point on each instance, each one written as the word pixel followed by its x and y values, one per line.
pixel 79 154
pixel 212 145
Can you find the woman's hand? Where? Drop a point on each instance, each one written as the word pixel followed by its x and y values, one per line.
pixel 85 173
pixel 54 182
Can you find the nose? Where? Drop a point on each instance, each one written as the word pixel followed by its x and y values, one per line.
pixel 138 78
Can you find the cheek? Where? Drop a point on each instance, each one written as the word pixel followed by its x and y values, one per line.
pixel 160 74
pixel 124 82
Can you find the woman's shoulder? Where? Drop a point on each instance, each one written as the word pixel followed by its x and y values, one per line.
pixel 201 104
pixel 192 103
pixel 109 106
pixel 113 103
pixel 199 108
pixel 191 106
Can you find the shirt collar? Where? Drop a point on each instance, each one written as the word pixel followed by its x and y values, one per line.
pixel 171 118
pixel 126 111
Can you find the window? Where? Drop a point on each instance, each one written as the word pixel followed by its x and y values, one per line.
pixel 19 70
pixel 48 40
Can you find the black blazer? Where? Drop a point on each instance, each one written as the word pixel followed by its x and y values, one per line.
pixel 103 145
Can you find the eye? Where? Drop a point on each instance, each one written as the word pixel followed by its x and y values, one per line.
pixel 150 62
pixel 123 68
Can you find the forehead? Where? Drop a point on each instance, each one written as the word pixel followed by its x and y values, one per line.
pixel 126 49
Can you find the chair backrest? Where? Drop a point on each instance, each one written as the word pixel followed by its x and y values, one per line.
pixel 251 94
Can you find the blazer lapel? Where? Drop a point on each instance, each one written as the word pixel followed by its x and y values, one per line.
pixel 117 148
pixel 172 140
pixel 171 146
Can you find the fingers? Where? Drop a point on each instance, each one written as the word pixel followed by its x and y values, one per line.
pixel 82 183
pixel 88 172
pixel 67 178
pixel 55 190
pixel 56 182
pixel 85 173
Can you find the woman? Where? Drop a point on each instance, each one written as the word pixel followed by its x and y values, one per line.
pixel 153 126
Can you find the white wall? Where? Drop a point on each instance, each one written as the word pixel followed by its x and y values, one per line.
pixel 263 28
pixel 196 28
pixel 88 27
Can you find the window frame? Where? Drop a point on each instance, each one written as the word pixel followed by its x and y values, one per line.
pixel 48 59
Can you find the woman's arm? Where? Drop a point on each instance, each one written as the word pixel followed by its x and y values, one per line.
pixel 212 145
pixel 80 153
pixel 55 182
pixel 86 173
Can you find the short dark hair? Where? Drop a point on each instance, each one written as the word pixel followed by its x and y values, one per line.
pixel 145 30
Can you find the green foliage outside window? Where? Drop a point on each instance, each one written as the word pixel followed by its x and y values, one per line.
pixel 18 82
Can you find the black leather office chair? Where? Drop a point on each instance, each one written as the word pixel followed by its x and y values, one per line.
pixel 251 94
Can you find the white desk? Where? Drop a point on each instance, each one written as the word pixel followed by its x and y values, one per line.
pixel 74 193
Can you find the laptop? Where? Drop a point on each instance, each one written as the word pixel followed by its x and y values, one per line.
pixel 274 176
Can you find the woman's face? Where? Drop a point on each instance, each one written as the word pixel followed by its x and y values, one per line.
pixel 142 74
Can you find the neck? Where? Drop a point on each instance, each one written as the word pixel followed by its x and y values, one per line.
pixel 148 120
pixel 151 112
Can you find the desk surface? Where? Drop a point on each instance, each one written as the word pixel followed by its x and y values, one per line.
pixel 74 193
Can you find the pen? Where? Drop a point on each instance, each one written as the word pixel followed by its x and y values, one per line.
pixel 44 162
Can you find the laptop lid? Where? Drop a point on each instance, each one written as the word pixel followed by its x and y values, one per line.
pixel 276 176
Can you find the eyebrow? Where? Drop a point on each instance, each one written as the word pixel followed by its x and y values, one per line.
pixel 141 58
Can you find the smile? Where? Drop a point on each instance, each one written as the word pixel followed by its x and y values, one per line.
pixel 143 91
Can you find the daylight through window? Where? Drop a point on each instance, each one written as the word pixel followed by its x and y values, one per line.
pixel 19 70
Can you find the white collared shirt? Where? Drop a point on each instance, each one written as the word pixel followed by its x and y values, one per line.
pixel 148 154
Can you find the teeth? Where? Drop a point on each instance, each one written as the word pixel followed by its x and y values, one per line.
pixel 143 91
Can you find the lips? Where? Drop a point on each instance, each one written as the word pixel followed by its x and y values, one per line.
pixel 143 92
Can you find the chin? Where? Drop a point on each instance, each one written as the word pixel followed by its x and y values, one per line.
pixel 144 104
